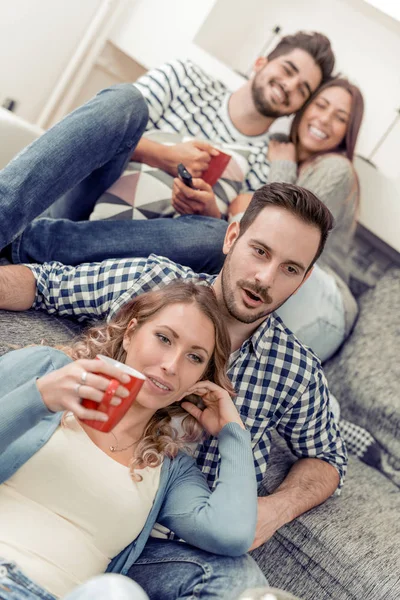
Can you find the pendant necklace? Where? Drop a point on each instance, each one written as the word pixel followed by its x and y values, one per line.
pixel 115 448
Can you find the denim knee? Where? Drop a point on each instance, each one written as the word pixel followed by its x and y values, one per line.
pixel 108 587
pixel 170 570
pixel 127 103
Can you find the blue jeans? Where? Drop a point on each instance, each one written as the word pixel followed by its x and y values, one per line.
pixel 169 570
pixel 14 585
pixel 73 163
pixel 62 174
pixel 190 240
pixel 316 314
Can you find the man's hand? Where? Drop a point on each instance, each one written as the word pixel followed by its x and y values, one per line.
pixel 17 287
pixel 199 201
pixel 195 155
pixel 281 151
pixel 271 516
pixel 309 482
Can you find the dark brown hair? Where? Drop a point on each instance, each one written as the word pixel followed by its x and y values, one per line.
pixel 316 44
pixel 298 201
pixel 348 143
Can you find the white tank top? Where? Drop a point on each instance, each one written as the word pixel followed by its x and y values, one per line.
pixel 70 509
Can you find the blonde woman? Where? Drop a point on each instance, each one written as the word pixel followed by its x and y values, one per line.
pixel 74 501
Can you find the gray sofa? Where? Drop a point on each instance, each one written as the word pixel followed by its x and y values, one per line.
pixel 349 547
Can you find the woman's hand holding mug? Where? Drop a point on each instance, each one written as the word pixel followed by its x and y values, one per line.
pixel 219 408
pixel 92 382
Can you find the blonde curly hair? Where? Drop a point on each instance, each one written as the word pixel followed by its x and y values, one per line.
pixel 160 437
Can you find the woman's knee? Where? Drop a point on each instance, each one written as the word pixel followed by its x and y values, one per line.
pixel 108 587
pixel 243 570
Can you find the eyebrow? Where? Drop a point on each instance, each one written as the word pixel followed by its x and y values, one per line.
pixel 176 336
pixel 296 70
pixel 292 262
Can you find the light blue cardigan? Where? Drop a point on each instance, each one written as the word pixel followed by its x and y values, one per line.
pixel 222 522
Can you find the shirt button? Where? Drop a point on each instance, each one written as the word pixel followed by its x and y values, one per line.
pixel 3 571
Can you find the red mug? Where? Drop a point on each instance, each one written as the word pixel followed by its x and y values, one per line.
pixel 216 167
pixel 115 413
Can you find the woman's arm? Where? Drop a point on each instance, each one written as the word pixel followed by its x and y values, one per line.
pixel 283 168
pixel 222 521
pixel 21 405
pixel 39 381
pixel 331 178
pixel 283 162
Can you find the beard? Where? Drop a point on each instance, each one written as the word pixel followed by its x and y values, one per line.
pixel 263 106
pixel 228 287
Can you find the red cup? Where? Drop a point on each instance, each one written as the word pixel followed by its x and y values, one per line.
pixel 216 167
pixel 115 413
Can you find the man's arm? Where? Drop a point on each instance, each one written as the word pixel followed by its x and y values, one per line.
pixel 195 155
pixel 90 290
pixel 311 432
pixel 309 483
pixel 17 287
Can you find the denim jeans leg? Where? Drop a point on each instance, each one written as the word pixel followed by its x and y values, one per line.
pixel 315 314
pixel 80 157
pixel 192 240
pixel 108 587
pixel 15 585
pixel 170 570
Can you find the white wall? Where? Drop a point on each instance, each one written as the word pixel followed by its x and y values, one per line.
pixel 366 43
pixel 37 39
pixel 154 31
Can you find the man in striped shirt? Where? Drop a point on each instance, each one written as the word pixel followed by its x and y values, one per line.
pixel 280 384
pixel 79 158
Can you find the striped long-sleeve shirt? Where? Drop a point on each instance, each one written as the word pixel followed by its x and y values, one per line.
pixel 183 99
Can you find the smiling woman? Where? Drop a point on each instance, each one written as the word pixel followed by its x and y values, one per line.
pixel 65 492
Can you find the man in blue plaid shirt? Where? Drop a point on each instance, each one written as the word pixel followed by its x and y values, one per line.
pixel 280 384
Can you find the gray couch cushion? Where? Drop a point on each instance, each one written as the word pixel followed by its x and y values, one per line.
pixel 19 329
pixel 346 549
pixel 365 374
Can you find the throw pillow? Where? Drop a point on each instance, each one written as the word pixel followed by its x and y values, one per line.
pixel 144 192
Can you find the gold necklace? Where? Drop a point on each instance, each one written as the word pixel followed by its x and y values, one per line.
pixel 115 448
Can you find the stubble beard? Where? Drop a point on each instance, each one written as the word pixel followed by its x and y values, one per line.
pixel 262 105
pixel 229 300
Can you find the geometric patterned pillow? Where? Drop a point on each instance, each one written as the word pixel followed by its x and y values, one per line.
pixel 144 192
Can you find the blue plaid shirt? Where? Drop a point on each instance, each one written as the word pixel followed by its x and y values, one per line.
pixel 279 383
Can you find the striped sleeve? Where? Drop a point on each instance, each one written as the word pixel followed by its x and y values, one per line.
pixel 160 87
